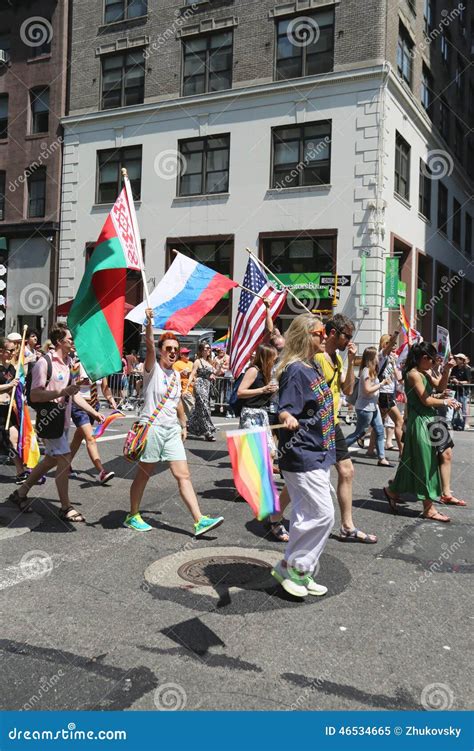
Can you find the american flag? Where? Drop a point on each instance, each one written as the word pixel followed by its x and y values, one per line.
pixel 251 314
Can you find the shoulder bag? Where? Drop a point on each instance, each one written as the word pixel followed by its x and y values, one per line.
pixel 136 439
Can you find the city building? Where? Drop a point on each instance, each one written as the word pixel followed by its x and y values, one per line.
pixel 33 84
pixel 331 138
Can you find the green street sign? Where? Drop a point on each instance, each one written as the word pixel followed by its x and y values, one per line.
pixel 419 299
pixel 391 283
pixel 402 292
pixel 307 285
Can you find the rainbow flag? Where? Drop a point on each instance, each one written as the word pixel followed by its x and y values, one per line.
pixel 223 342
pixel 102 426
pixel 252 470
pixel 27 446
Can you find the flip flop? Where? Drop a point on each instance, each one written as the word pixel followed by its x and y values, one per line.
pixel 452 501
pixel 353 536
pixel 437 517
pixel 392 502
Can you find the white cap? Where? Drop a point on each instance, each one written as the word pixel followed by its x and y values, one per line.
pixel 14 337
pixel 461 356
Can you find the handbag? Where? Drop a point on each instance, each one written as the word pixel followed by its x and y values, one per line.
pixel 136 439
pixel 50 420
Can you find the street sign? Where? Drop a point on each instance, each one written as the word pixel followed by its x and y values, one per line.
pixel 338 292
pixel 391 283
pixel 342 281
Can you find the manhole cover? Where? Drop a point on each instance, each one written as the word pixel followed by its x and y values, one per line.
pixel 229 571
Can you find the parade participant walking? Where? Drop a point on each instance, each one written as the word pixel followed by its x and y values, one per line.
pixel 307 450
pixel 366 406
pixel 31 341
pixel 8 382
pixel 426 437
pixel 461 377
pixel 57 389
pixel 200 420
pixel 162 392
pixel 389 372
pixel 84 422
pixel 184 367
pixel 339 332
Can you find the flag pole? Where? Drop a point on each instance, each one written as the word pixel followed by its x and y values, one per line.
pixel 275 277
pixel 246 289
pixel 12 398
pixel 136 232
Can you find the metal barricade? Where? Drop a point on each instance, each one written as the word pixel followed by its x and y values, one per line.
pixel 220 393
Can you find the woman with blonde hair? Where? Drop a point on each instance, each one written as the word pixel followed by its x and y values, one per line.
pixel 390 373
pixel 306 452
pixel 366 406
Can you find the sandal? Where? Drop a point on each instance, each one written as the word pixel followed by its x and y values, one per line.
pixel 451 500
pixel 360 443
pixel 384 463
pixel 356 535
pixel 70 514
pixel 392 502
pixel 279 532
pixel 22 503
pixel 437 517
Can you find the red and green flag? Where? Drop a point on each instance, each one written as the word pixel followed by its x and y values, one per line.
pixel 96 319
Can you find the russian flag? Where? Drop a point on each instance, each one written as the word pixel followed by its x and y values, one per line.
pixel 186 293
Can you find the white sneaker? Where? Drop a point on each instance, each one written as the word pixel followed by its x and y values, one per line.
pixel 291 581
pixel 314 589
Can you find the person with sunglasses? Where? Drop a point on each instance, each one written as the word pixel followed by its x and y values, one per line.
pixel 427 438
pixel 339 331
pixel 162 389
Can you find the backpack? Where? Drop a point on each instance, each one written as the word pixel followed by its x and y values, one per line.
pixel 29 377
pixel 236 404
pixel 352 398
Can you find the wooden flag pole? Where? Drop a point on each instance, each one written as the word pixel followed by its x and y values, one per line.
pixel 275 277
pixel 246 289
pixel 273 427
pixel 136 232
pixel 12 398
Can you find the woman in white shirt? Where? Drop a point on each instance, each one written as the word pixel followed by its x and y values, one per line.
pixel 366 406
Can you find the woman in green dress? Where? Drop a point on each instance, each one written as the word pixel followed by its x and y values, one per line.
pixel 426 436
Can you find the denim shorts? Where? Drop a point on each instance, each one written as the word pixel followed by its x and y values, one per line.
pixel 79 417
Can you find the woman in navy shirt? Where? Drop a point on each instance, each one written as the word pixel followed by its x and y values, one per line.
pixel 306 452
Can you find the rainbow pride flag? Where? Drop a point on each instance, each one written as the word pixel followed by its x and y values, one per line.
pixel 27 446
pixel 223 342
pixel 100 429
pixel 252 470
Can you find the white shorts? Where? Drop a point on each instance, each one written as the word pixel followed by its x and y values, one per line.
pixel 56 446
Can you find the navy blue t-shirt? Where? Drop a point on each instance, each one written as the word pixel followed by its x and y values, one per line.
pixel 304 393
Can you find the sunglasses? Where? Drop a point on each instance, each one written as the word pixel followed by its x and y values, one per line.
pixel 321 333
pixel 171 349
pixel 344 333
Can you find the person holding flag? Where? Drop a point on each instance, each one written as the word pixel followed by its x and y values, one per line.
pixel 8 383
pixel 163 411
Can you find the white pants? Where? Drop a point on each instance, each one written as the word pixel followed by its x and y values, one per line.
pixel 312 517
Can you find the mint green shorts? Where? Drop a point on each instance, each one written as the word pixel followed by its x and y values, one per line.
pixel 164 444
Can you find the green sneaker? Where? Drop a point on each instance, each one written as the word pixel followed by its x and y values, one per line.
pixel 206 523
pixel 291 580
pixel 135 521
pixel 313 588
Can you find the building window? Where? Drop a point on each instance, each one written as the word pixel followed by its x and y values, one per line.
pixel 445 48
pixel 123 79
pixel 468 235
pixel 402 167
pixel 459 140
pixel 45 34
pixel 305 45
pixel 207 64
pixel 456 222
pixel 427 90
pixel 5 43
pixel 428 16
pixel 424 198
pixel 204 165
pixel 405 54
pixel 109 166
pixel 37 192
pixel 302 155
pixel 444 119
pixel 39 99
pixel 460 89
pixel 442 208
pixel 120 10
pixel 2 195
pixel 4 116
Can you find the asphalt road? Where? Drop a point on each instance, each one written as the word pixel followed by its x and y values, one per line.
pixel 89 622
